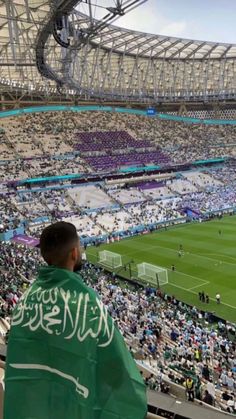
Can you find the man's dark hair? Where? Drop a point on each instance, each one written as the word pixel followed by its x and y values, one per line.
pixel 56 241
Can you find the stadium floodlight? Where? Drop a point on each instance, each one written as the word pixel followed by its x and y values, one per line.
pixel 156 275
pixel 110 259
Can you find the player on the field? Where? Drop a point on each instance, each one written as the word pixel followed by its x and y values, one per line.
pixel 203 297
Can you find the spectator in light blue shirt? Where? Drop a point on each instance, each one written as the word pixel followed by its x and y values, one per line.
pixel 230 382
pixel 223 378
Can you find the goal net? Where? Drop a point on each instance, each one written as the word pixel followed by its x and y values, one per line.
pixel 110 259
pixel 152 273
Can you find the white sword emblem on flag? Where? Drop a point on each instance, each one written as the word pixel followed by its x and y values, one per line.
pixel 83 391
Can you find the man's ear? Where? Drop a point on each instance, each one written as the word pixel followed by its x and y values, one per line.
pixel 74 253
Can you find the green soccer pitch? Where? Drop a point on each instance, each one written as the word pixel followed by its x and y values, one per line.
pixel 208 263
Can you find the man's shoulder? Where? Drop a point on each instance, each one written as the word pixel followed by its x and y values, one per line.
pixel 81 286
pixel 61 280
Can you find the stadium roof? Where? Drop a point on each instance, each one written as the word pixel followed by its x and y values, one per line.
pixel 20 21
pixel 159 46
pixel 109 62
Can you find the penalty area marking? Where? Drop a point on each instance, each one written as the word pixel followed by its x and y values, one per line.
pixel 197 286
pixel 203 282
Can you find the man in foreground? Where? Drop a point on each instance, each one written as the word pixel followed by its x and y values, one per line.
pixel 66 359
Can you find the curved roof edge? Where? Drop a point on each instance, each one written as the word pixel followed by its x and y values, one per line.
pixel 159 46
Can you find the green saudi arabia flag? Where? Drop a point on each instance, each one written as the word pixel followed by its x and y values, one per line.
pixel 66 359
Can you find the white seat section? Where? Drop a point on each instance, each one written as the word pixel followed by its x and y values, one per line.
pixel 13 170
pixel 84 225
pixel 44 203
pixel 30 206
pixel 159 193
pixel 90 197
pixel 24 142
pixel 182 186
pixel 153 213
pixel 126 196
pixel 53 144
pixel 202 179
pixel 58 201
pixel 138 214
pixel 114 221
pixel 53 167
pixel 35 228
pixel 24 147
pixel 61 206
pixel 6 152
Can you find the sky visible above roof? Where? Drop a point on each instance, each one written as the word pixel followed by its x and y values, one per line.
pixel 208 20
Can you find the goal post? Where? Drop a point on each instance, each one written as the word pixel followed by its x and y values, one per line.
pixel 109 259
pixel 152 273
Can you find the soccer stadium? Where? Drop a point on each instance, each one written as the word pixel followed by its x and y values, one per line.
pixel 127 141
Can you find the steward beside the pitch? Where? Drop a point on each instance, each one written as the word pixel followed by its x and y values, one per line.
pixel 189 384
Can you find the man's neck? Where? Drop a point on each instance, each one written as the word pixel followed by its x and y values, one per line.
pixel 66 267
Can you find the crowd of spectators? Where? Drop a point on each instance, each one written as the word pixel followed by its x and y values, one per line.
pixel 9 216
pixel 45 166
pixel 18 266
pixel 172 341
pixel 225 174
pixel 44 144
pixel 100 209
pixel 218 199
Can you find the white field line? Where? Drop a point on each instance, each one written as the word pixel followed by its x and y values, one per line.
pixel 197 286
pixel 203 281
pixel 182 273
pixel 220 255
